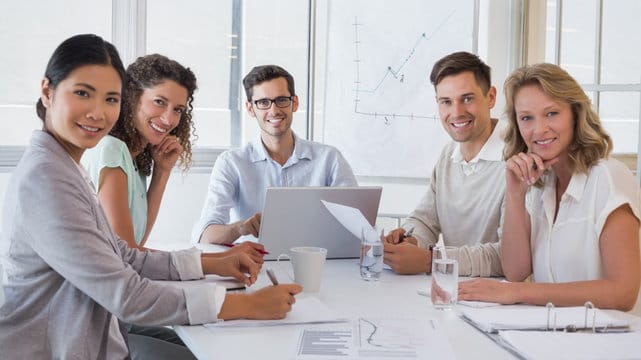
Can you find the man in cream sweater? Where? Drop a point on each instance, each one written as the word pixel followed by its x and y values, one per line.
pixel 465 197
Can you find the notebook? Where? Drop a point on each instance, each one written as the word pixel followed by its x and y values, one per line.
pixel 295 216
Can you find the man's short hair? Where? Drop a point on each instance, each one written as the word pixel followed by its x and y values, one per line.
pixel 459 62
pixel 260 74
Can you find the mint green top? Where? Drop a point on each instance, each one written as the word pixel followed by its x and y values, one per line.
pixel 112 152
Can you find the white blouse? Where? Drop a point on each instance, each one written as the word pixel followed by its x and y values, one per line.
pixel 568 249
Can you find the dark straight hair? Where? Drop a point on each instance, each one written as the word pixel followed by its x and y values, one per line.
pixel 77 51
pixel 260 74
pixel 459 62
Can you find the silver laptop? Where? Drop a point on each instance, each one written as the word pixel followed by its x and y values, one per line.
pixel 295 216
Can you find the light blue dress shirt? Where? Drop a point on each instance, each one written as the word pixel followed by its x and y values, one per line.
pixel 240 178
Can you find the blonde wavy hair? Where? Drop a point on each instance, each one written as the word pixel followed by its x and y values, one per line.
pixel 590 144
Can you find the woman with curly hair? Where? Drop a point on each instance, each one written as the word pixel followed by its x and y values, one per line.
pixel 571 211
pixel 152 133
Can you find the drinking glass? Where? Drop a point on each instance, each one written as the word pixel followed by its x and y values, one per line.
pixel 444 290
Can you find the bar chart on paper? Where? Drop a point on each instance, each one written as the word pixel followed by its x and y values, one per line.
pixel 333 342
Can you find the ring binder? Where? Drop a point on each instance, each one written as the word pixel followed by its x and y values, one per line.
pixel 551 310
pixel 548 318
pixel 522 329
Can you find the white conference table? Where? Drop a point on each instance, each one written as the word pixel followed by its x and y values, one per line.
pixel 343 291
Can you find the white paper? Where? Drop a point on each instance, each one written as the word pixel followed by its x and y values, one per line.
pixel 552 345
pixel 375 338
pixel 306 310
pixel 351 218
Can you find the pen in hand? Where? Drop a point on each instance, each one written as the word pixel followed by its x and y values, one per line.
pixel 407 234
pixel 272 276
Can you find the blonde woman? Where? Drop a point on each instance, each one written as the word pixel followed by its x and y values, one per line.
pixel 572 212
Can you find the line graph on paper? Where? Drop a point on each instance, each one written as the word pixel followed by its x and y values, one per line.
pixel 379 106
pixel 392 73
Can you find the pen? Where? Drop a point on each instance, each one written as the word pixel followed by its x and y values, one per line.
pixel 408 233
pixel 260 251
pixel 272 276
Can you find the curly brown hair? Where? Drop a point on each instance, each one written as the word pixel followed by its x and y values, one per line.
pixel 144 73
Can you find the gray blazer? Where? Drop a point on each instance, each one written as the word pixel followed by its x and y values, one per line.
pixel 69 278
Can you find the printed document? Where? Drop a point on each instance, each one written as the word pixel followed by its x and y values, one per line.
pixel 375 338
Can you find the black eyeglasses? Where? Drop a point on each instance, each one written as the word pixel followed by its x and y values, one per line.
pixel 281 102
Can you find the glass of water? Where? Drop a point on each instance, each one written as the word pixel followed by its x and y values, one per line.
pixel 371 259
pixel 444 290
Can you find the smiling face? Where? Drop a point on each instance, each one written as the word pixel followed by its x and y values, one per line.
pixel 546 125
pixel 274 122
pixel 159 110
pixel 83 107
pixel 464 110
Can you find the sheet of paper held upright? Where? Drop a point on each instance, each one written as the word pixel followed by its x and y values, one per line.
pixel 374 338
pixel 351 218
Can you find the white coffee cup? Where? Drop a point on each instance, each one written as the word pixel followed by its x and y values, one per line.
pixel 308 263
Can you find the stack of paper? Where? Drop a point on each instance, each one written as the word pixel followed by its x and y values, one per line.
pixel 493 319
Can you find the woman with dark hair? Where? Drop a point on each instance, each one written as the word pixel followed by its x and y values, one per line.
pixel 571 211
pixel 70 282
pixel 153 132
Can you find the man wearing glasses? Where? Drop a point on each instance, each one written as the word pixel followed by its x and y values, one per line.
pixel 278 158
